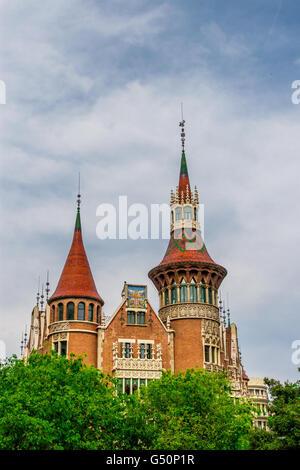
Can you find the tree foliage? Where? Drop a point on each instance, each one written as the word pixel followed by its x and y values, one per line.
pixel 51 402
pixel 194 410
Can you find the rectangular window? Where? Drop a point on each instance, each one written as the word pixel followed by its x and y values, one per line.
pixel 127 350
pixel 149 351
pixel 56 347
pixel 127 386
pixel 141 318
pixel 183 294
pixel 131 318
pixel 174 295
pixel 167 296
pixel 134 385
pixel 213 354
pixel 206 350
pixel 193 293
pixel 142 382
pixel 202 294
pixel 63 348
pixel 142 351
pixel 210 301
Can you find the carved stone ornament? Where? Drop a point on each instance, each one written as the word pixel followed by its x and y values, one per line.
pixel 189 310
pixel 62 326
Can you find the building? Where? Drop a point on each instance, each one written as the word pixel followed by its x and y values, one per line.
pixel 258 393
pixel 136 343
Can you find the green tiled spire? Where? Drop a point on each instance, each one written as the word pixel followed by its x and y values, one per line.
pixel 183 165
pixel 78 222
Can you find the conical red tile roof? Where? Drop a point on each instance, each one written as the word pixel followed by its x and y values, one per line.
pixel 76 279
pixel 189 247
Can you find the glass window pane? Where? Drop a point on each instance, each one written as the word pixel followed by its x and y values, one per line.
pixel 213 355
pixel 134 385
pixel 53 313
pixel 127 350
pixel 60 312
pixel 174 294
pixel 63 348
pixel 70 311
pixel 183 293
pixel 149 351
pixel 120 385
pixel 188 213
pixel 142 382
pixel 56 347
pixel 141 318
pixel 98 314
pixel 131 318
pixel 91 312
pixel 127 386
pixel 80 311
pixel 142 351
pixel 206 353
pixel 202 294
pixel 178 213
pixel 167 296
pixel 193 293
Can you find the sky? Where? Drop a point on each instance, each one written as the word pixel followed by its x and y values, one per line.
pixel 95 87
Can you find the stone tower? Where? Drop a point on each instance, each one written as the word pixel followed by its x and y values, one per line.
pixel 187 280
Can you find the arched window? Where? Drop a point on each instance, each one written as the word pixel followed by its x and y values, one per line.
pixel 131 318
pixel 80 311
pixel 60 312
pixel 210 298
pixel 193 291
pixel 202 294
pixel 98 314
pixel 174 294
pixel 183 291
pixel 53 313
pixel 188 213
pixel 167 297
pixel 140 318
pixel 195 213
pixel 70 311
pixel 178 213
pixel 91 312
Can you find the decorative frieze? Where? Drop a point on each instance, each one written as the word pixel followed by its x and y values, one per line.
pixel 61 326
pixel 189 310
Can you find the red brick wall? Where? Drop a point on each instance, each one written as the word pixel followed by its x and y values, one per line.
pixel 116 330
pixel 188 346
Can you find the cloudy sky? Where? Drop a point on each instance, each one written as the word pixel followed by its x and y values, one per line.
pixel 95 86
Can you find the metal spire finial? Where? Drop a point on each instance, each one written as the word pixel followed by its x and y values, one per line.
pixel 42 298
pixel 78 195
pixel 181 124
pixel 47 290
pixel 38 294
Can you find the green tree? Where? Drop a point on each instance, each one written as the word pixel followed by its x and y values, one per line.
pixel 194 410
pixel 284 420
pixel 56 403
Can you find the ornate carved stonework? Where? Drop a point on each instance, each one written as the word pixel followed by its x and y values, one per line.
pixel 60 336
pixel 189 310
pixel 135 367
pixel 62 326
pixel 211 332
